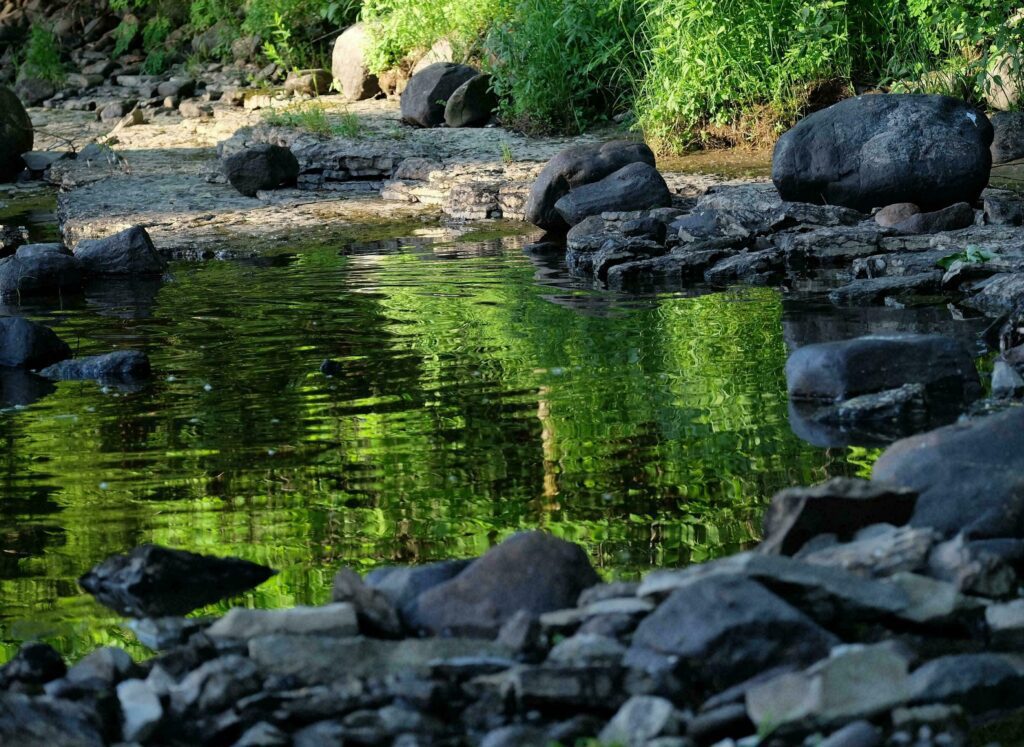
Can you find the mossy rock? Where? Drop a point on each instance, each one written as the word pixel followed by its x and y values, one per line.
pixel 16 134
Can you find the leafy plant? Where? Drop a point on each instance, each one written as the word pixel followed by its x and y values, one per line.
pixel 42 56
pixel 124 35
pixel 313 118
pixel 972 255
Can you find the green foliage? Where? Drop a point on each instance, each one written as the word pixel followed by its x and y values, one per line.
pixel 42 56
pixel 560 65
pixel 972 255
pixel 124 35
pixel 313 118
pixel 154 34
pixel 205 13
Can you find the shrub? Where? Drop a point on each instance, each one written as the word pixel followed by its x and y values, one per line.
pixel 42 56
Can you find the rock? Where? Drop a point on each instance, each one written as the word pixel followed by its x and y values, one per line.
pixel 952 218
pixel 532 571
pixel 637 186
pixel 402 585
pixel 893 215
pixel 721 631
pixel 179 88
pixel 876 551
pixel 38 161
pixel 967 476
pixel 261 167
pixel 472 104
pixel 153 581
pixel 1006 624
pixel 331 620
pixel 559 687
pixel 877 150
pixel 855 682
pixel 107 665
pixel 130 252
pixel 587 649
pixel 425 98
pixel 162 633
pixel 642 718
pixel 1008 139
pixel 376 614
pixel 972 569
pixel 34 91
pixel 313 82
pixel 440 51
pixel 263 734
pixel 841 507
pixel 122 366
pixel 981 683
pixel 575 167
pixel 194 109
pixel 870 291
pixel 1003 207
pixel 141 710
pixel 46 722
pixel 515 736
pixel 1007 383
pixel 31 272
pixel 216 685
pixel 25 344
pixel 34 664
pixel 113 111
pixel 348 65
pixel 753 268
pixel 857 734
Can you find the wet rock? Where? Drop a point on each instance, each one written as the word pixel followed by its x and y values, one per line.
pixel 162 633
pixel 641 719
pixel 181 88
pixel 348 65
pixel 25 344
pixel 875 290
pixel 403 585
pixel 830 246
pixel 752 268
pixel 122 366
pixel 869 417
pixel 1008 139
pixel 952 218
pixel 38 161
pixel 107 665
pixel 1006 381
pixel 516 736
pixel 972 569
pixel 35 664
pixel 151 581
pixel 376 614
pixel 532 571
pixel 840 507
pixel 669 271
pixel 967 476
pixel 999 294
pixel 428 92
pixel 1003 207
pixel 637 186
pixel 31 272
pixel 574 167
pixel 330 620
pixel 130 252
pixel 981 683
pixel 877 150
pixel 876 551
pixel 216 685
pixel 141 710
pixel 895 214
pixel 472 104
pixel 261 167
pixel 899 264
pixel 47 722
pixel 720 631
pixel 34 91
pixel 841 370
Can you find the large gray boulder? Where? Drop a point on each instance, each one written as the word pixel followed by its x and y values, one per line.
pixel 352 76
pixel 1008 138
pixel 533 571
pixel 473 103
pixel 873 151
pixel 969 476
pixel 25 344
pixel 637 186
pixel 574 167
pixel 425 98
pixel 16 134
pixel 129 252
pixel 262 166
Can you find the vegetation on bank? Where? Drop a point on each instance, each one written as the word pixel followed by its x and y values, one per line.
pixel 691 72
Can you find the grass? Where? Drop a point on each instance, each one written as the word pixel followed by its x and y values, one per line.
pixel 42 57
pixel 313 118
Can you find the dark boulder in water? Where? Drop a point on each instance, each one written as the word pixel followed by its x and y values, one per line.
pixel 121 366
pixel 25 344
pixel 154 581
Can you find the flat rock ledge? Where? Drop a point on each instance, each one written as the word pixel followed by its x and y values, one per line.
pixel 855 618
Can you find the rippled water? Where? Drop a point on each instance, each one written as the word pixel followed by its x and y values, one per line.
pixel 481 392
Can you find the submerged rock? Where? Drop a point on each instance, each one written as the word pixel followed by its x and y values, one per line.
pixel 637 186
pixel 152 581
pixel 122 366
pixel 261 167
pixel 25 344
pixel 130 252
pixel 425 98
pixel 16 135
pixel 873 151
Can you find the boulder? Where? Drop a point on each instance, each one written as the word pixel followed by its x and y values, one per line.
pixel 182 88
pixel 141 710
pixel 637 186
pixel 1003 207
pixel 641 719
pixel 574 167
pixel 893 215
pixel 1008 138
pixel 34 664
pixel 718 631
pixel 130 252
pixel 1003 87
pixel 348 65
pixel 38 271
pixel 969 476
pixel 402 585
pixel 34 91
pixel 840 507
pixel 376 614
pixel 329 619
pixel 425 98
pixel 980 683
pixel 952 218
pixel 152 581
pixel 121 366
pixel 47 722
pixel 532 571
pixel 25 344
pixel 473 103
pixel 872 151
pixel 16 134
pixel 835 371
pixel 313 82
pixel 261 167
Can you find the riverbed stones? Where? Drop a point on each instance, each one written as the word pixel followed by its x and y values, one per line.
pixel 310 82
pixel 533 571
pixel 873 151
pixel 35 664
pixel 119 367
pixel 473 103
pixel 351 73
pixel 981 683
pixel 16 134
pixel 129 252
pixel 967 476
pixel 47 722
pixel 26 344
pixel 641 719
pixel 637 186
pixel 331 620
pixel 575 167
pixel 259 167
pixel 1008 139
pixel 425 98
pixel 141 710
pixel 39 269
pixel 153 581
pixel 952 218
pixel 376 614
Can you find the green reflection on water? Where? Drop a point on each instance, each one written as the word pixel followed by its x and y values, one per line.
pixel 477 399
